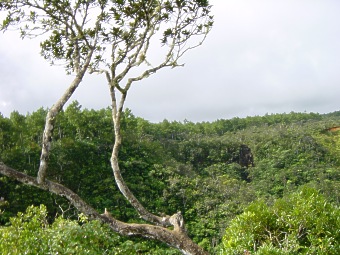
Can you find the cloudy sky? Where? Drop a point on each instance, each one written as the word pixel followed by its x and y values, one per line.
pixel 261 57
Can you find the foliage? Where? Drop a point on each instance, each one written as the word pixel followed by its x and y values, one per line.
pixel 30 233
pixel 300 223
pixel 74 30
pixel 173 166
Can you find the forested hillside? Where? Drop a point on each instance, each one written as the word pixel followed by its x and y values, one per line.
pixel 222 176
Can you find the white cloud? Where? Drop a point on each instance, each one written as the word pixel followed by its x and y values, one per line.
pixel 261 56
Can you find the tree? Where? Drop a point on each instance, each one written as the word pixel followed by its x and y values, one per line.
pixel 113 38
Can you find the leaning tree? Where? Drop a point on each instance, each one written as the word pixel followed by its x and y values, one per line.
pixel 122 40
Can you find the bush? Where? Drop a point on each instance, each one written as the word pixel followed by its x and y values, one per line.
pixel 30 233
pixel 300 223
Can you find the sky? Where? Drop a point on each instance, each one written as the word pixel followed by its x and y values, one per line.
pixel 261 57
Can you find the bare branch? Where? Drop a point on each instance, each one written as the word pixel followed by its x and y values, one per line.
pixel 174 238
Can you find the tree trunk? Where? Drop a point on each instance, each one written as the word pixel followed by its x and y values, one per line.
pixel 51 118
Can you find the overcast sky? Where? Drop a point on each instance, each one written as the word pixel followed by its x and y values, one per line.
pixel 262 56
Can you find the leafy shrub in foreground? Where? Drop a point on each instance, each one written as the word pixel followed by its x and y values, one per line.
pixel 301 223
pixel 30 233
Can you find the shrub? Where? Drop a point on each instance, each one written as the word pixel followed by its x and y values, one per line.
pixel 300 223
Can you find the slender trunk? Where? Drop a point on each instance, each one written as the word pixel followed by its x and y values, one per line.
pixel 175 238
pixel 51 118
pixel 163 221
pixel 49 127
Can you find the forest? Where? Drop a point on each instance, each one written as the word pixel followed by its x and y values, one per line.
pixel 280 197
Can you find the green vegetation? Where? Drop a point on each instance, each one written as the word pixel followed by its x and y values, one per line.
pixel 287 203
pixel 300 223
pixel 30 233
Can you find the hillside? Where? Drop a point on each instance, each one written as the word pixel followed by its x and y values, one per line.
pixel 211 172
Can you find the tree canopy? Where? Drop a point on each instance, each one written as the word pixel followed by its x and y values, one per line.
pixel 171 166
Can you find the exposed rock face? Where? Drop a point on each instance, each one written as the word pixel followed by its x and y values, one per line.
pixel 245 156
pixel 333 129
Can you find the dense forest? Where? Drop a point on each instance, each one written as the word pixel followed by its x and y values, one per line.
pixel 256 185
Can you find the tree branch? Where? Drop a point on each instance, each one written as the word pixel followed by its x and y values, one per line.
pixel 174 238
